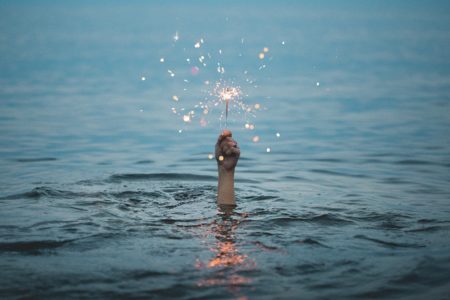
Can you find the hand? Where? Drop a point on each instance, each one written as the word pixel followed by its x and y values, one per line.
pixel 227 151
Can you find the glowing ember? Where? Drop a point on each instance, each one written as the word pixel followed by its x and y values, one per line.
pixel 175 98
pixel 210 156
pixel 255 139
pixel 229 93
pixel 266 49
pixel 261 55
pixel 257 106
pixel 187 118
pixel 221 158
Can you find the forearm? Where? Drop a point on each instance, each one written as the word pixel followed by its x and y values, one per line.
pixel 225 189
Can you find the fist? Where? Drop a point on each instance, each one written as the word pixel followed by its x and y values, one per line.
pixel 227 151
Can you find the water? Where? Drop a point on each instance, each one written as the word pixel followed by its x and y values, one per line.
pixel 101 197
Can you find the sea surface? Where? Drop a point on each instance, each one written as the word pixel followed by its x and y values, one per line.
pixel 105 193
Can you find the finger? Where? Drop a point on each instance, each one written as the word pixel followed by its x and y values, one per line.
pixel 233 152
pixel 227 143
pixel 225 134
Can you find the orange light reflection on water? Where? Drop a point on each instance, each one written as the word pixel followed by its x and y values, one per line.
pixel 227 260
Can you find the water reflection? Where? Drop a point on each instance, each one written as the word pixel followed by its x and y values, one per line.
pixel 228 261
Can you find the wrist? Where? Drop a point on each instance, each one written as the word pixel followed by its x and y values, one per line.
pixel 224 171
pixel 225 190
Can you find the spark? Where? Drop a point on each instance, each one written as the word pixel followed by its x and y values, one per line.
pixel 228 94
pixel 255 139
pixel 210 156
pixel 161 59
pixel 187 118
pixel 261 55
pixel 266 49
pixel 221 158
pixel 197 45
pixel 317 83
pixel 257 106
pixel 175 98
pixel 172 74
pixel 176 37
pixel 268 150
pixel 143 78
pixel 278 134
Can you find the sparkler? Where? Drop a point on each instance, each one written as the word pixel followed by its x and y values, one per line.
pixel 228 94
pixel 199 62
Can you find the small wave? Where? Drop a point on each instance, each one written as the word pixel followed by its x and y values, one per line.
pixel 32 246
pixel 145 162
pixel 395 180
pixel 330 160
pixel 375 216
pixel 426 229
pixel 311 242
pixel 388 244
pixel 335 173
pixel 329 219
pixel 260 197
pixel 160 176
pixel 37 159
pixel 323 219
pixel 413 162
pixel 265 247
pixel 44 191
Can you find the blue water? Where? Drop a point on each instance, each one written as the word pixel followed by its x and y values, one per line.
pixel 102 197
